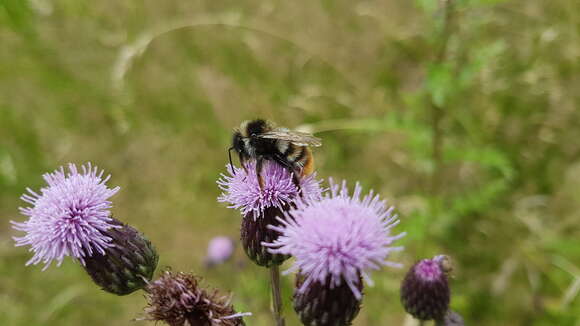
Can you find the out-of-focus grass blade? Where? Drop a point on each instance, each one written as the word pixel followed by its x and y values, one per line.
pixel 571 293
pixel 59 302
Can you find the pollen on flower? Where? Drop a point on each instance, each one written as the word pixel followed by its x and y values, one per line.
pixel 68 217
pixel 340 237
pixel 241 189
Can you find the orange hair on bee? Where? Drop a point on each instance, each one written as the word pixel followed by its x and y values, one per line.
pixel 309 164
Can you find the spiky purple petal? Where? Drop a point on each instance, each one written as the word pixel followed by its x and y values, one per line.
pixel 68 217
pixel 242 191
pixel 340 237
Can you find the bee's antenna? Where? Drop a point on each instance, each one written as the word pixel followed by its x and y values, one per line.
pixel 230 156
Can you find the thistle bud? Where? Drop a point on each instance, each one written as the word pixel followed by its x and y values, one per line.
pixel 127 265
pixel 261 204
pixel 425 290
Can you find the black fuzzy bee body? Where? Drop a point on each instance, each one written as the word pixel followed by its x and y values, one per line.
pixel 262 140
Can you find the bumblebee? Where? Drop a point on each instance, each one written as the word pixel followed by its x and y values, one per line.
pixel 446 264
pixel 262 140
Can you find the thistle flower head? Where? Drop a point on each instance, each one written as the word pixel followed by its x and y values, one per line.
pixel 425 292
pixel 242 191
pixel 340 237
pixel 219 250
pixel 68 217
pixel 177 299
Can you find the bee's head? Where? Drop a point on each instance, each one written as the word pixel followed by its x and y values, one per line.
pixel 238 146
pixel 238 141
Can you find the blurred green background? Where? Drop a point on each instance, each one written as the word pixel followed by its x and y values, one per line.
pixel 465 117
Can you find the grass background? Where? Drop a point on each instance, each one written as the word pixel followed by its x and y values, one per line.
pixel 477 148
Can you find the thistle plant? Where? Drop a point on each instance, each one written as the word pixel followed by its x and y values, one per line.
pixel 71 217
pixel 336 242
pixel 260 206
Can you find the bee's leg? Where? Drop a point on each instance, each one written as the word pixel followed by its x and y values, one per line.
pixel 259 165
pixel 296 173
pixel 230 157
pixel 243 162
pixel 291 169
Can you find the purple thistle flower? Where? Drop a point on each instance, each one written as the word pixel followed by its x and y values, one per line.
pixel 260 206
pixel 242 190
pixel 68 217
pixel 219 250
pixel 338 238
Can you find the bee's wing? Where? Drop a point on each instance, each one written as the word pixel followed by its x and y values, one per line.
pixel 295 137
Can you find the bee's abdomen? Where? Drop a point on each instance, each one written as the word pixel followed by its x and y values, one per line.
pixel 300 157
pixel 297 154
pixel 307 162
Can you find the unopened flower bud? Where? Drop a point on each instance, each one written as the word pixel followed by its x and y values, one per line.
pixel 425 290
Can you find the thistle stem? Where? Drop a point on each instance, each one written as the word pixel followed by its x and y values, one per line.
pixel 438 111
pixel 276 297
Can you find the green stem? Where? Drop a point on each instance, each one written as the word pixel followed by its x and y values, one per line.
pixel 437 111
pixel 276 296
